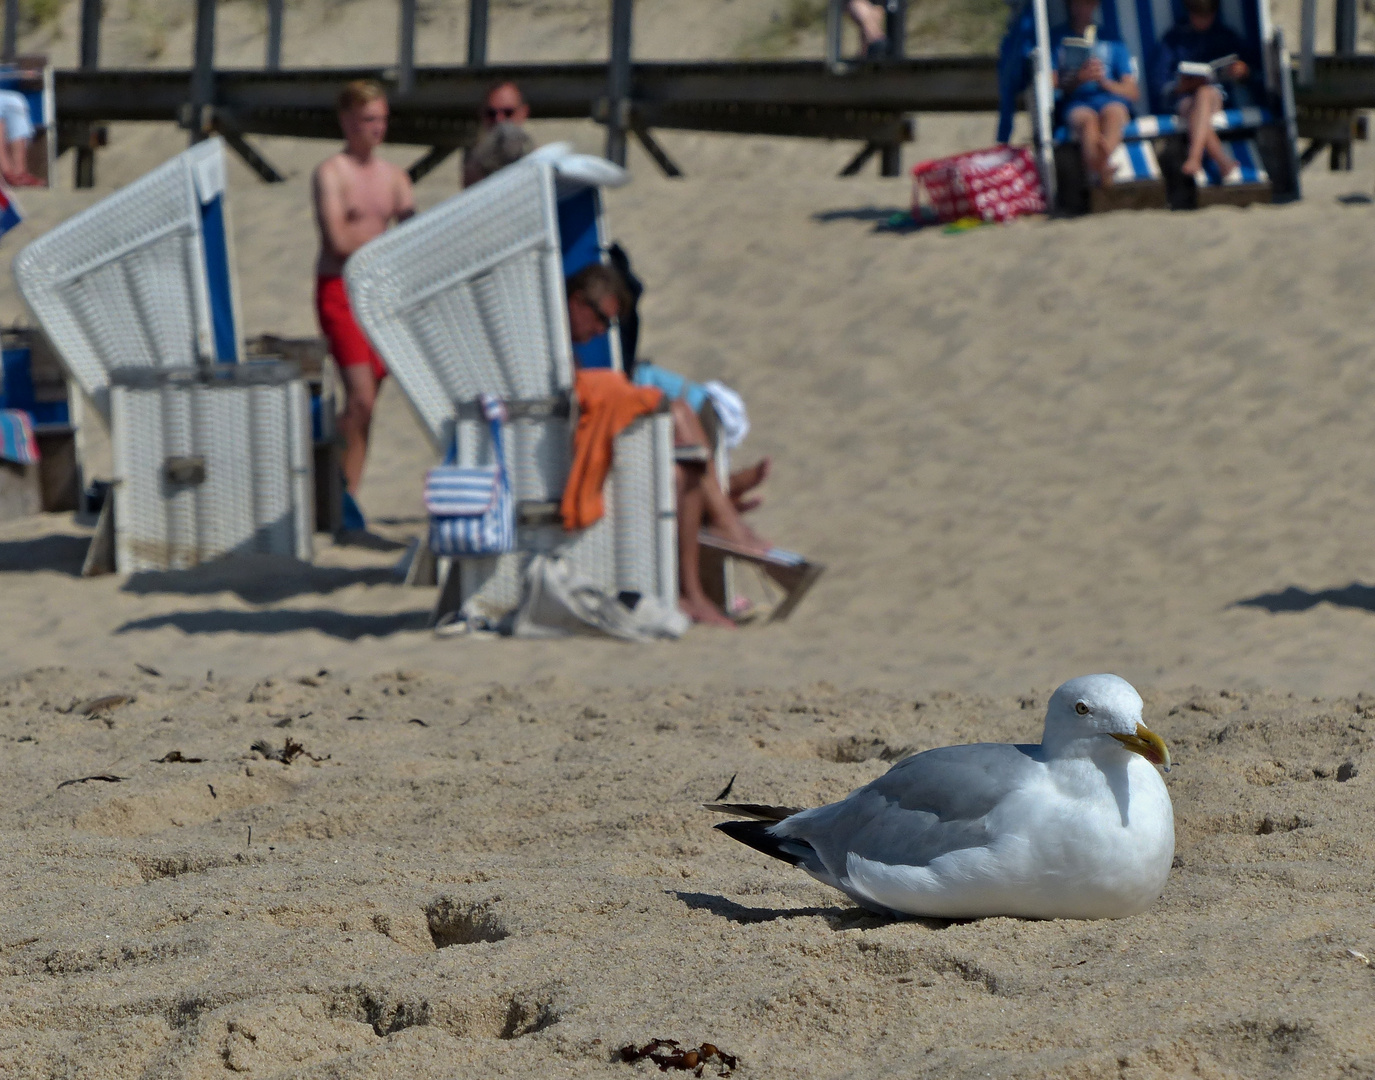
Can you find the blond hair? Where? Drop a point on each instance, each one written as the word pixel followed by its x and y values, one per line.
pixel 360 92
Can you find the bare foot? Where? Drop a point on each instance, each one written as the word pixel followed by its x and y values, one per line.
pixel 744 506
pixel 746 480
pixel 702 610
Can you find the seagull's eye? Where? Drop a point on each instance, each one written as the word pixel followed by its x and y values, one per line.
pixel 1081 708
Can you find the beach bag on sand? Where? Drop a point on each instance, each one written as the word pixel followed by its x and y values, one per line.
pixel 470 506
pixel 997 184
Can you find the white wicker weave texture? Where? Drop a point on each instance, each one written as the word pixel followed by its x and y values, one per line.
pixel 122 284
pixel 251 443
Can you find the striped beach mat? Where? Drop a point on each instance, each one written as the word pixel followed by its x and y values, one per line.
pixel 17 443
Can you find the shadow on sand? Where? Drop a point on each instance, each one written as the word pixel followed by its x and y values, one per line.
pixel 258 579
pixel 1355 595
pixel 838 918
pixel 58 552
pixel 336 624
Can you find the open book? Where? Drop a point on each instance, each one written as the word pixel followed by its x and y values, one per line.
pixel 1075 52
pixel 1212 70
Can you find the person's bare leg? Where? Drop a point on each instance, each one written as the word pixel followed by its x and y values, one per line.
pixel 19 156
pixel 720 512
pixel 1083 121
pixel 7 168
pixel 871 19
pixel 692 598
pixel 743 481
pixel 1212 144
pixel 360 391
pixel 1112 122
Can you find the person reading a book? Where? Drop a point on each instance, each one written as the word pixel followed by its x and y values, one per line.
pixel 1098 83
pixel 1202 65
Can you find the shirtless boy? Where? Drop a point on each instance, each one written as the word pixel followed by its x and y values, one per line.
pixel 357 195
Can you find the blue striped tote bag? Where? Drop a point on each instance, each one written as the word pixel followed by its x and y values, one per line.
pixel 470 506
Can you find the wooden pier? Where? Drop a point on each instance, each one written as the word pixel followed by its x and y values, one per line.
pixel 868 102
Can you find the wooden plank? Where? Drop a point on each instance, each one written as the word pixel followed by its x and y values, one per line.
pixel 405 49
pixel 84 164
pixel 477 33
pixel 273 60
pixel 11 30
pixel 619 81
pixel 203 70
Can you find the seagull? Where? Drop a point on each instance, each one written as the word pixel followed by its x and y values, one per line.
pixel 1077 827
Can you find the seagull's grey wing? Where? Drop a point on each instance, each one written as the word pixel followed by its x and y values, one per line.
pixel 925 806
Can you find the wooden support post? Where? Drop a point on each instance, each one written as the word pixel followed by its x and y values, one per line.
pixel 273 60
pixel 1308 32
pixel 477 33
pixel 860 160
pixel 835 34
pixel 1344 44
pixel 405 49
pixel 425 164
pixel 202 70
pixel 1344 32
pixel 895 25
pixel 618 83
pixel 90 59
pixel 666 164
pixel 11 30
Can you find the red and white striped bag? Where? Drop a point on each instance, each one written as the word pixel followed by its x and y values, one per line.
pixel 997 184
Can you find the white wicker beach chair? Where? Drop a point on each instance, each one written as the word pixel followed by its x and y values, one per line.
pixel 468 298
pixel 137 295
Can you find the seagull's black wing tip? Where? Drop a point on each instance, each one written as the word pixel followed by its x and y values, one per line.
pixel 756 835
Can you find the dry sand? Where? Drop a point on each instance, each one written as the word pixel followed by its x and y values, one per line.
pixel 1139 443
pixel 517 881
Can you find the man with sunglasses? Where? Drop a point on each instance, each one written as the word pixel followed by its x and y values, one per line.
pixel 502 107
pixel 597 296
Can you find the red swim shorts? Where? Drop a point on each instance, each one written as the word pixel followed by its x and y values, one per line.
pixel 347 343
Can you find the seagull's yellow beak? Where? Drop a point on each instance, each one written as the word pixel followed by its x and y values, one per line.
pixel 1148 744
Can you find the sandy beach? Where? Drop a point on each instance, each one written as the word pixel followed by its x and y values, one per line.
pixel 1139 443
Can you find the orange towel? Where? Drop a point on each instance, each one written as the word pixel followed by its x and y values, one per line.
pixel 607 404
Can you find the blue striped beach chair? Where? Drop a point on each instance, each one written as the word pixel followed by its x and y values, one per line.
pixel 1262 137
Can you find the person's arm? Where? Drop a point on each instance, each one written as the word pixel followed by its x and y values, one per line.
pixel 1126 87
pixel 1167 68
pixel 1123 80
pixel 337 234
pixel 405 196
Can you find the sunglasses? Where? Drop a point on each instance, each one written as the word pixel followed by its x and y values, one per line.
pixel 499 114
pixel 603 319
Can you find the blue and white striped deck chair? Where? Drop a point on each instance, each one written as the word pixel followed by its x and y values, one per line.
pixel 141 279
pixel 467 299
pixel 1262 136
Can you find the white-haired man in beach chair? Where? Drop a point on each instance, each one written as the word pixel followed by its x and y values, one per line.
pixel 597 296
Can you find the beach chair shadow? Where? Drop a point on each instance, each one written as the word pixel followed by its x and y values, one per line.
pixel 468 299
pixel 1262 138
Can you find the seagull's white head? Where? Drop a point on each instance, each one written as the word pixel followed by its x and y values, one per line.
pixel 1102 705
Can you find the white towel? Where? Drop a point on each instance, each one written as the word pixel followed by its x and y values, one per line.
pixel 730 409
